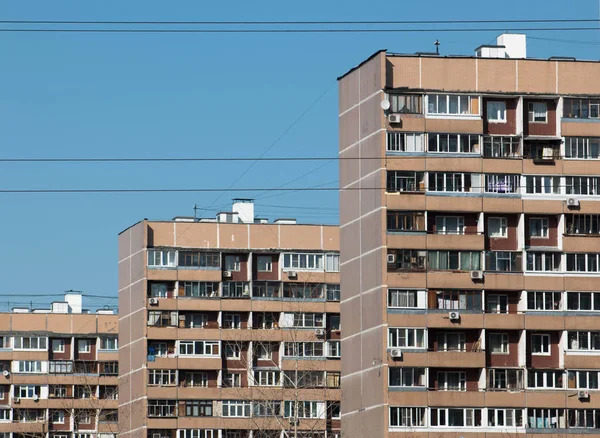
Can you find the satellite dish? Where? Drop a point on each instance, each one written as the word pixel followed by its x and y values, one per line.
pixel 385 104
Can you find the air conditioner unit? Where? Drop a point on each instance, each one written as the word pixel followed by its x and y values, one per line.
pixel 396 353
pixel 153 301
pixel 476 275
pixel 227 274
pixel 292 274
pixel 6 373
pixel 572 202
pixel 319 332
pixel 16 401
pixel 391 258
pixel 454 316
pixel 394 118
pixel 583 395
pixel 35 397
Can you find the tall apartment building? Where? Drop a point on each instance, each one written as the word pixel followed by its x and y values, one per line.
pixel 58 372
pixel 230 328
pixel 470 244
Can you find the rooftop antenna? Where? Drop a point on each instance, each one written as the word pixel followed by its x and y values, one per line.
pixel 195 212
pixel 437 47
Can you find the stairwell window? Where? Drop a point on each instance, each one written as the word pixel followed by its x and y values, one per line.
pixel 538 112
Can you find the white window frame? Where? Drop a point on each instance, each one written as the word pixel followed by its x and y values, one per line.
pixel 398 297
pixel 408 416
pixel 334 349
pixel 207 348
pixel 264 263
pixel 448 182
pixel 535 109
pixel 304 349
pixel 84 345
pixel 236 408
pixel 443 378
pixel 61 416
pixel 544 227
pixel 162 377
pixel 503 343
pixel 582 185
pixel 468 417
pixel 267 378
pixel 441 225
pixel 578 345
pixel 496 111
pixel 109 343
pixel 41 343
pixel 444 142
pixel 413 337
pixel 502 228
pixel 545 344
pixel 542 298
pixel 502 417
pixel 233 263
pixel 232 321
pixel 232 351
pixel 58 345
pixel 594 301
pixel 332 262
pixel 582 148
pixel 405 142
pixel 539 261
pixel 543 184
pixel 29 366
pixel 232 380
pixel 158 258
pixel 312 262
pixel 442 341
pixel 545 379
pixel 497 303
pixel 442 105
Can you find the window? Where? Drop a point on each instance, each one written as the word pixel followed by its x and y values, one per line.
pixel 84 346
pixel 335 322
pixel 232 380
pixel 456 417
pixel 264 263
pixel 58 391
pixel 195 320
pixel 109 368
pixel 306 409
pixel 583 301
pixel 196 259
pixel 405 221
pixel 5 416
pixel 304 379
pixel 582 223
pixel 540 151
pixel 406 338
pixel 303 290
pixel 303 349
pixel 451 341
pixel 497 227
pixel 236 408
pixel 538 112
pixel 583 418
pixel 200 289
pixel 583 341
pixel 232 351
pixel 332 263
pixel 540 345
pixel 58 417
pixel 451 381
pixel 407 417
pixel 452 104
pixel 30 343
pixel 399 181
pixel 265 289
pixel 162 377
pixel 582 108
pixel 582 185
pixel 232 263
pixel 498 343
pixel 582 263
pixel 454 260
pixel 29 366
pixel 538 227
pixel 108 343
pixel 265 320
pixel 163 318
pixel 542 185
pixel 402 299
pixel 161 408
pixel 235 289
pixel 305 320
pixel 505 418
pixel 161 258
pixel 196 433
pixel 333 292
pixel 406 260
pixel 306 262
pixel 453 143
pixel 496 111
pixel 543 261
pixel 407 377
pixel 159 290
pixel 404 142
pixel 546 301
pixel 449 182
pixel 497 183
pixel 505 379
pixel 503 261
pixel 195 379
pixel 496 303
pixel 454 299
pixel 449 225
pixel 60 367
pixel 58 345
pixel 266 378
pixel 545 379
pixel 582 148
pixel 267 408
pixel 583 379
pixel 232 321
pixel 198 348
pixel 27 391
pixel 405 103
pixel 501 147
pixel 334 349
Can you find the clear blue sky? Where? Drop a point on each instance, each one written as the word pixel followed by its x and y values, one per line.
pixel 145 95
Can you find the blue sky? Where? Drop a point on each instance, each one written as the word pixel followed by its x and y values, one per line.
pixel 178 95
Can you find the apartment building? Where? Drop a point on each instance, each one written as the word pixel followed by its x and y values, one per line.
pixel 470 244
pixel 230 328
pixel 58 372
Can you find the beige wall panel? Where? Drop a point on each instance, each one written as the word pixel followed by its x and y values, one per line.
pixel 575 283
pixel 372 231
pixel 373 267
pixel 504 398
pixel 124 243
pixel 372 76
pixel 410 360
pixel 368 423
pixel 543 206
pixel 580 244
pixel 409 241
pixel 350 281
pixel 264 236
pixel 348 91
pixel 441 320
pixel 582 323
pixel 502 205
pixel 406 279
pixel 162 275
pixel 372 317
pixel 198 274
pixel 396 201
pixel 503 281
pixel 352 354
pixel 452 359
pixel 108 356
pixel 171 423
pixel 300 237
pixel 5 322
pixel 456 398
pixel 124 272
pixel 544 322
pixel 350 244
pixel 407 398
pixel 83 324
pixel 537 77
pixel 399 162
pixel 198 393
pixel 331 238
pixel 349 128
pixel 503 321
pixel 574 361
pixel 199 304
pixel 233 236
pixel 108 324
pixel 531 168
pixel 404 71
pixel 448 203
pixel 374 381
pixel 496 75
pixel 198 235
pixel 372 119
pixel 352 325
pixel 580 129
pixel 496 165
pixel 162 233
pixel 406 320
pixel 448 164
pixel 573 402
pixel 241 305
pixel 349 166
pixel 546 399
pixel 435 74
pixel 450 125
pixel 585 206
pixel 578 78
pixel 199 364
pixel 464 242
pixel 410 123
pixel 349 205
pixel 33 322
pixel 581 167
pixel 534 282
pixel 267 306
pixel 451 280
